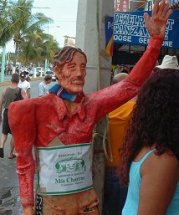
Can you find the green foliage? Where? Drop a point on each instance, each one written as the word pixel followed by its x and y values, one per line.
pixel 27 30
pixel 36 47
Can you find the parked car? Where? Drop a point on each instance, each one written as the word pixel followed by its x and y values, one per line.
pixel 32 71
pixel 40 71
pixel 50 72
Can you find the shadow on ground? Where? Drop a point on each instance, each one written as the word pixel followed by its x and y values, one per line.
pixel 9 201
pixel 9 191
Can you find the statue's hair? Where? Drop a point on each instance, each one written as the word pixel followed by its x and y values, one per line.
pixel 65 55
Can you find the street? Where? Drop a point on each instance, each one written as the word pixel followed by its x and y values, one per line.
pixel 9 197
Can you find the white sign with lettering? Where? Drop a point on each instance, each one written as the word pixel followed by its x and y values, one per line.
pixel 64 169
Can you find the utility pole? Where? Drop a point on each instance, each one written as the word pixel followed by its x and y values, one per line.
pixel 90 27
pixel 2 8
pixel 3 62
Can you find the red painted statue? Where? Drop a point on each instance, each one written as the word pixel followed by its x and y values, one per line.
pixel 59 128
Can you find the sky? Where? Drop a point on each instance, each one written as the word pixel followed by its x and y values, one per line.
pixel 63 13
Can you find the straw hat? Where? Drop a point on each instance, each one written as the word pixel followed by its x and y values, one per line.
pixel 169 62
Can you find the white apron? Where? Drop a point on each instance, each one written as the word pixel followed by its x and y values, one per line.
pixel 64 169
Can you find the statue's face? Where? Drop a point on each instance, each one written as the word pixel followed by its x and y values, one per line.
pixel 72 76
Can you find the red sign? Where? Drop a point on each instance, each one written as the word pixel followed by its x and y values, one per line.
pixel 121 5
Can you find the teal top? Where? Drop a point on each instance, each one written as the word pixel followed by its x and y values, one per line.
pixel 132 201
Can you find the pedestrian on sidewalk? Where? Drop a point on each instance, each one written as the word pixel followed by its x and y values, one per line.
pixel 44 85
pixel 10 94
pixel 24 84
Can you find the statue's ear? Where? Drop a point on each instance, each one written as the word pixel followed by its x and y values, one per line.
pixel 58 72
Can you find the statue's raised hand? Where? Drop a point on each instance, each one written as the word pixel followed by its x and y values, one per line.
pixel 156 24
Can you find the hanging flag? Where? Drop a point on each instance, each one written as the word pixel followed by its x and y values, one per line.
pixel 109 36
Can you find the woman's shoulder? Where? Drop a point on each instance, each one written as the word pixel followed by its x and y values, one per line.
pixel 165 163
pixel 167 158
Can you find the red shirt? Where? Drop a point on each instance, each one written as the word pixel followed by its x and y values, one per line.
pixel 36 122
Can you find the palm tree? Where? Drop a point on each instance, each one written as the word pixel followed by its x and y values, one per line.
pixel 5 31
pixel 26 29
pixel 36 46
pixel 24 22
pixel 50 46
pixel 29 47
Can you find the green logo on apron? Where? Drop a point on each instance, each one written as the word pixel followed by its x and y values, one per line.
pixel 70 165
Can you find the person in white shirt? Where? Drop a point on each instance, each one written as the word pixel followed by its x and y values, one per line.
pixel 44 85
pixel 23 84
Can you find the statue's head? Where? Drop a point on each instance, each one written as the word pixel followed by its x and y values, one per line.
pixel 70 68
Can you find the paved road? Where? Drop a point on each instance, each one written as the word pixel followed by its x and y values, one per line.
pixel 9 197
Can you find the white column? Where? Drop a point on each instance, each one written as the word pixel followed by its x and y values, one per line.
pixel 87 40
pixel 105 8
pixel 90 37
pixel 35 73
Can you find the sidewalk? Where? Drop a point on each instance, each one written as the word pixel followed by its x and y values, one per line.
pixel 6 81
pixel 9 197
pixel 9 191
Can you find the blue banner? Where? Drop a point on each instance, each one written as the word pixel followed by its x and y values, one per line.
pixel 129 28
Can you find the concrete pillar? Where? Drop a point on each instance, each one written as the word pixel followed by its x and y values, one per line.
pixel 87 40
pixel 105 8
pixel 35 73
pixel 13 69
pixel 46 64
pixel 90 37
